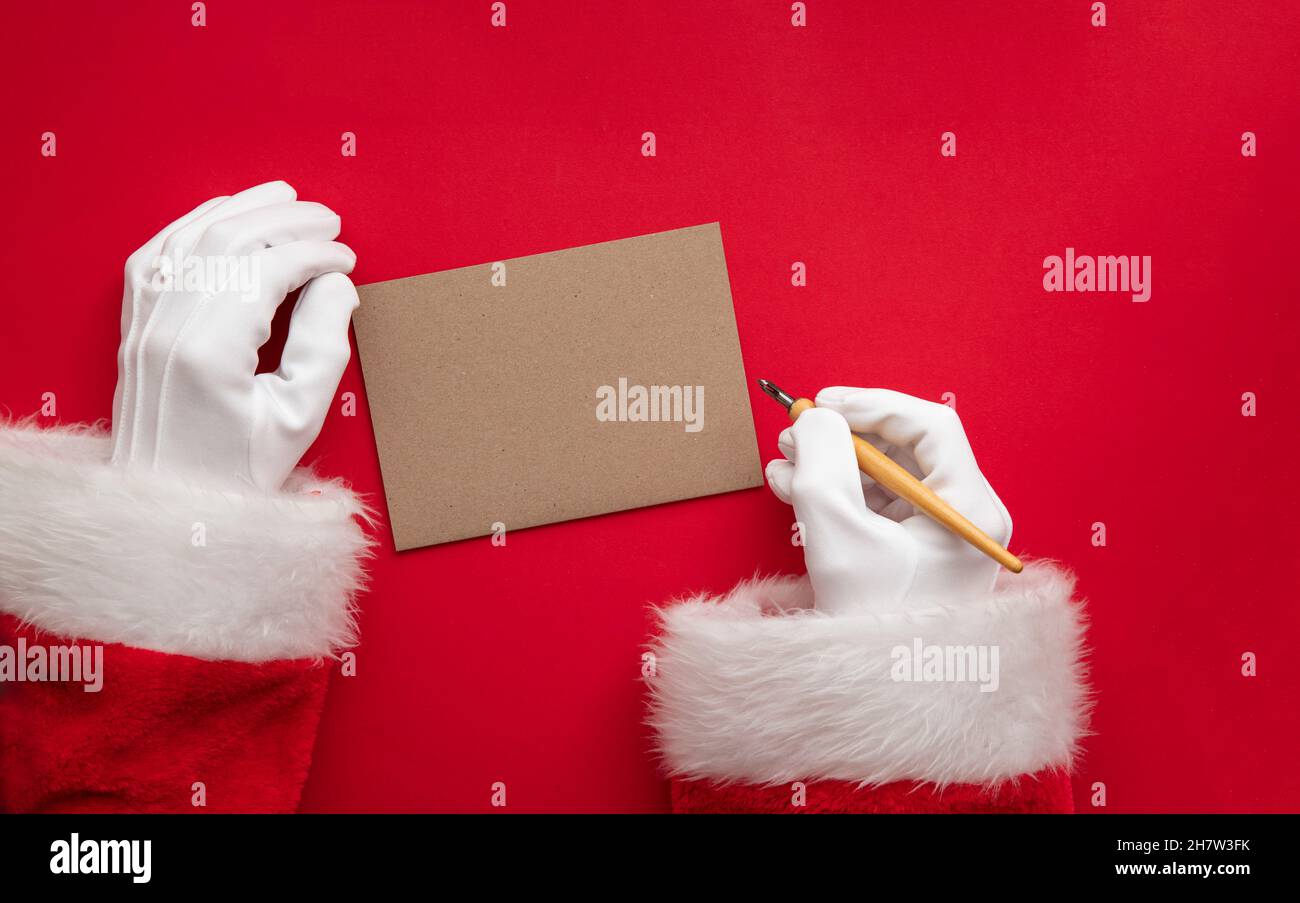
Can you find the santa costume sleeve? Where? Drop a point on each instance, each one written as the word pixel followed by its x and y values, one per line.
pixel 216 612
pixel 759 703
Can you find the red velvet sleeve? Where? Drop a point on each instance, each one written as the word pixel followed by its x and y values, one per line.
pixel 210 616
pixel 163 733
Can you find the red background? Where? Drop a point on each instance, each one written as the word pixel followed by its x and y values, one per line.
pixel 820 144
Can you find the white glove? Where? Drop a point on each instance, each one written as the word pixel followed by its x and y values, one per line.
pixel 187 399
pixel 866 549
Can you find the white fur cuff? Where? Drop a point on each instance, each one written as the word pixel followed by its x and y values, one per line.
pixel 758 687
pixel 91 551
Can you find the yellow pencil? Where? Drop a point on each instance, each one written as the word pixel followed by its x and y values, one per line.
pixel 891 475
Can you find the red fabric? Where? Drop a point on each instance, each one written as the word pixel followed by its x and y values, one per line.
pixel 1046 792
pixel 159 724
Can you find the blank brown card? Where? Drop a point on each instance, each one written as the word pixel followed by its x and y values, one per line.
pixel 557 386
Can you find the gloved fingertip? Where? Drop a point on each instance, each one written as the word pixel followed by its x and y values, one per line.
pixel 835 395
pixel 275 191
pixel 785 442
pixel 818 422
pixel 351 257
pixel 334 283
pixel 779 473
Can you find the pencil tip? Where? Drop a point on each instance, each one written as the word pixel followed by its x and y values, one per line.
pixel 775 392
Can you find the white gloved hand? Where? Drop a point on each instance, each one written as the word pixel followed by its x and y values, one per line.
pixel 866 549
pixel 188 400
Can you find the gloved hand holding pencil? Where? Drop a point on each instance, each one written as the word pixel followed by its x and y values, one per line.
pixel 909 671
pixel 866 548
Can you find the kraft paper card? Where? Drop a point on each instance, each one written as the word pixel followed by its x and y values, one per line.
pixel 557 386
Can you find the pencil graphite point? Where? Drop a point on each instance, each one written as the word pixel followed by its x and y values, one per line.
pixel 777 393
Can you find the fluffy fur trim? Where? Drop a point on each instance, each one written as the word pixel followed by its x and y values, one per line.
pixel 758 687
pixel 1048 792
pixel 91 551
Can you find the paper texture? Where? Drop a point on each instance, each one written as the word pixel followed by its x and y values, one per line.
pixel 521 392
